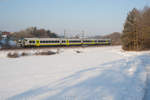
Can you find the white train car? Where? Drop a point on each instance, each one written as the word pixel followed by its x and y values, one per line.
pixel 46 42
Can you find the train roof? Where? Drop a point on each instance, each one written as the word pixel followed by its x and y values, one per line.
pixel 62 39
pixel 42 38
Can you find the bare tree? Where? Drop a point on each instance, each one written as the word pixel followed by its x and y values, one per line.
pixel 131 33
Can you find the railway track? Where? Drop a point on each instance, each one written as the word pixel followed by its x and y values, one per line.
pixel 37 48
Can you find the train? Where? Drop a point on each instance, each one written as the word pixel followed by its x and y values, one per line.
pixel 49 42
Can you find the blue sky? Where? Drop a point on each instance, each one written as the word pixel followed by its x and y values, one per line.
pixel 95 17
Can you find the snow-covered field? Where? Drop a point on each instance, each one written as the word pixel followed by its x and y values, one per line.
pixel 97 73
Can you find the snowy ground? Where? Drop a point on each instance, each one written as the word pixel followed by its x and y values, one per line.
pixel 97 73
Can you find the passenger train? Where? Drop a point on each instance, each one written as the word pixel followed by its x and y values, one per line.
pixel 46 42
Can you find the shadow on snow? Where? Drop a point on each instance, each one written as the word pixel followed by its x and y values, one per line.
pixel 117 80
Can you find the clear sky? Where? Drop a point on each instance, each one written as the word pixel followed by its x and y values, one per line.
pixel 95 17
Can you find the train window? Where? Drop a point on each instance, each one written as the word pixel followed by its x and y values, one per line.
pixel 87 41
pixel 55 41
pixel 63 41
pixel 101 41
pixel 73 41
pixel 49 41
pixel 31 41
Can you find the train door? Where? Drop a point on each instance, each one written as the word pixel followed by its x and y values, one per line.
pixel 37 43
pixel 93 41
pixel 67 42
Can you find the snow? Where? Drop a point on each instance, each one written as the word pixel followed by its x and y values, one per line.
pixel 147 89
pixel 97 73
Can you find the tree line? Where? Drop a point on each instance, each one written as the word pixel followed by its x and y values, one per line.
pixel 115 37
pixel 136 32
pixel 34 32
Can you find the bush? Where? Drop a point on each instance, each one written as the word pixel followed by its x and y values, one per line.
pixel 78 51
pixel 24 54
pixel 12 55
pixel 46 53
